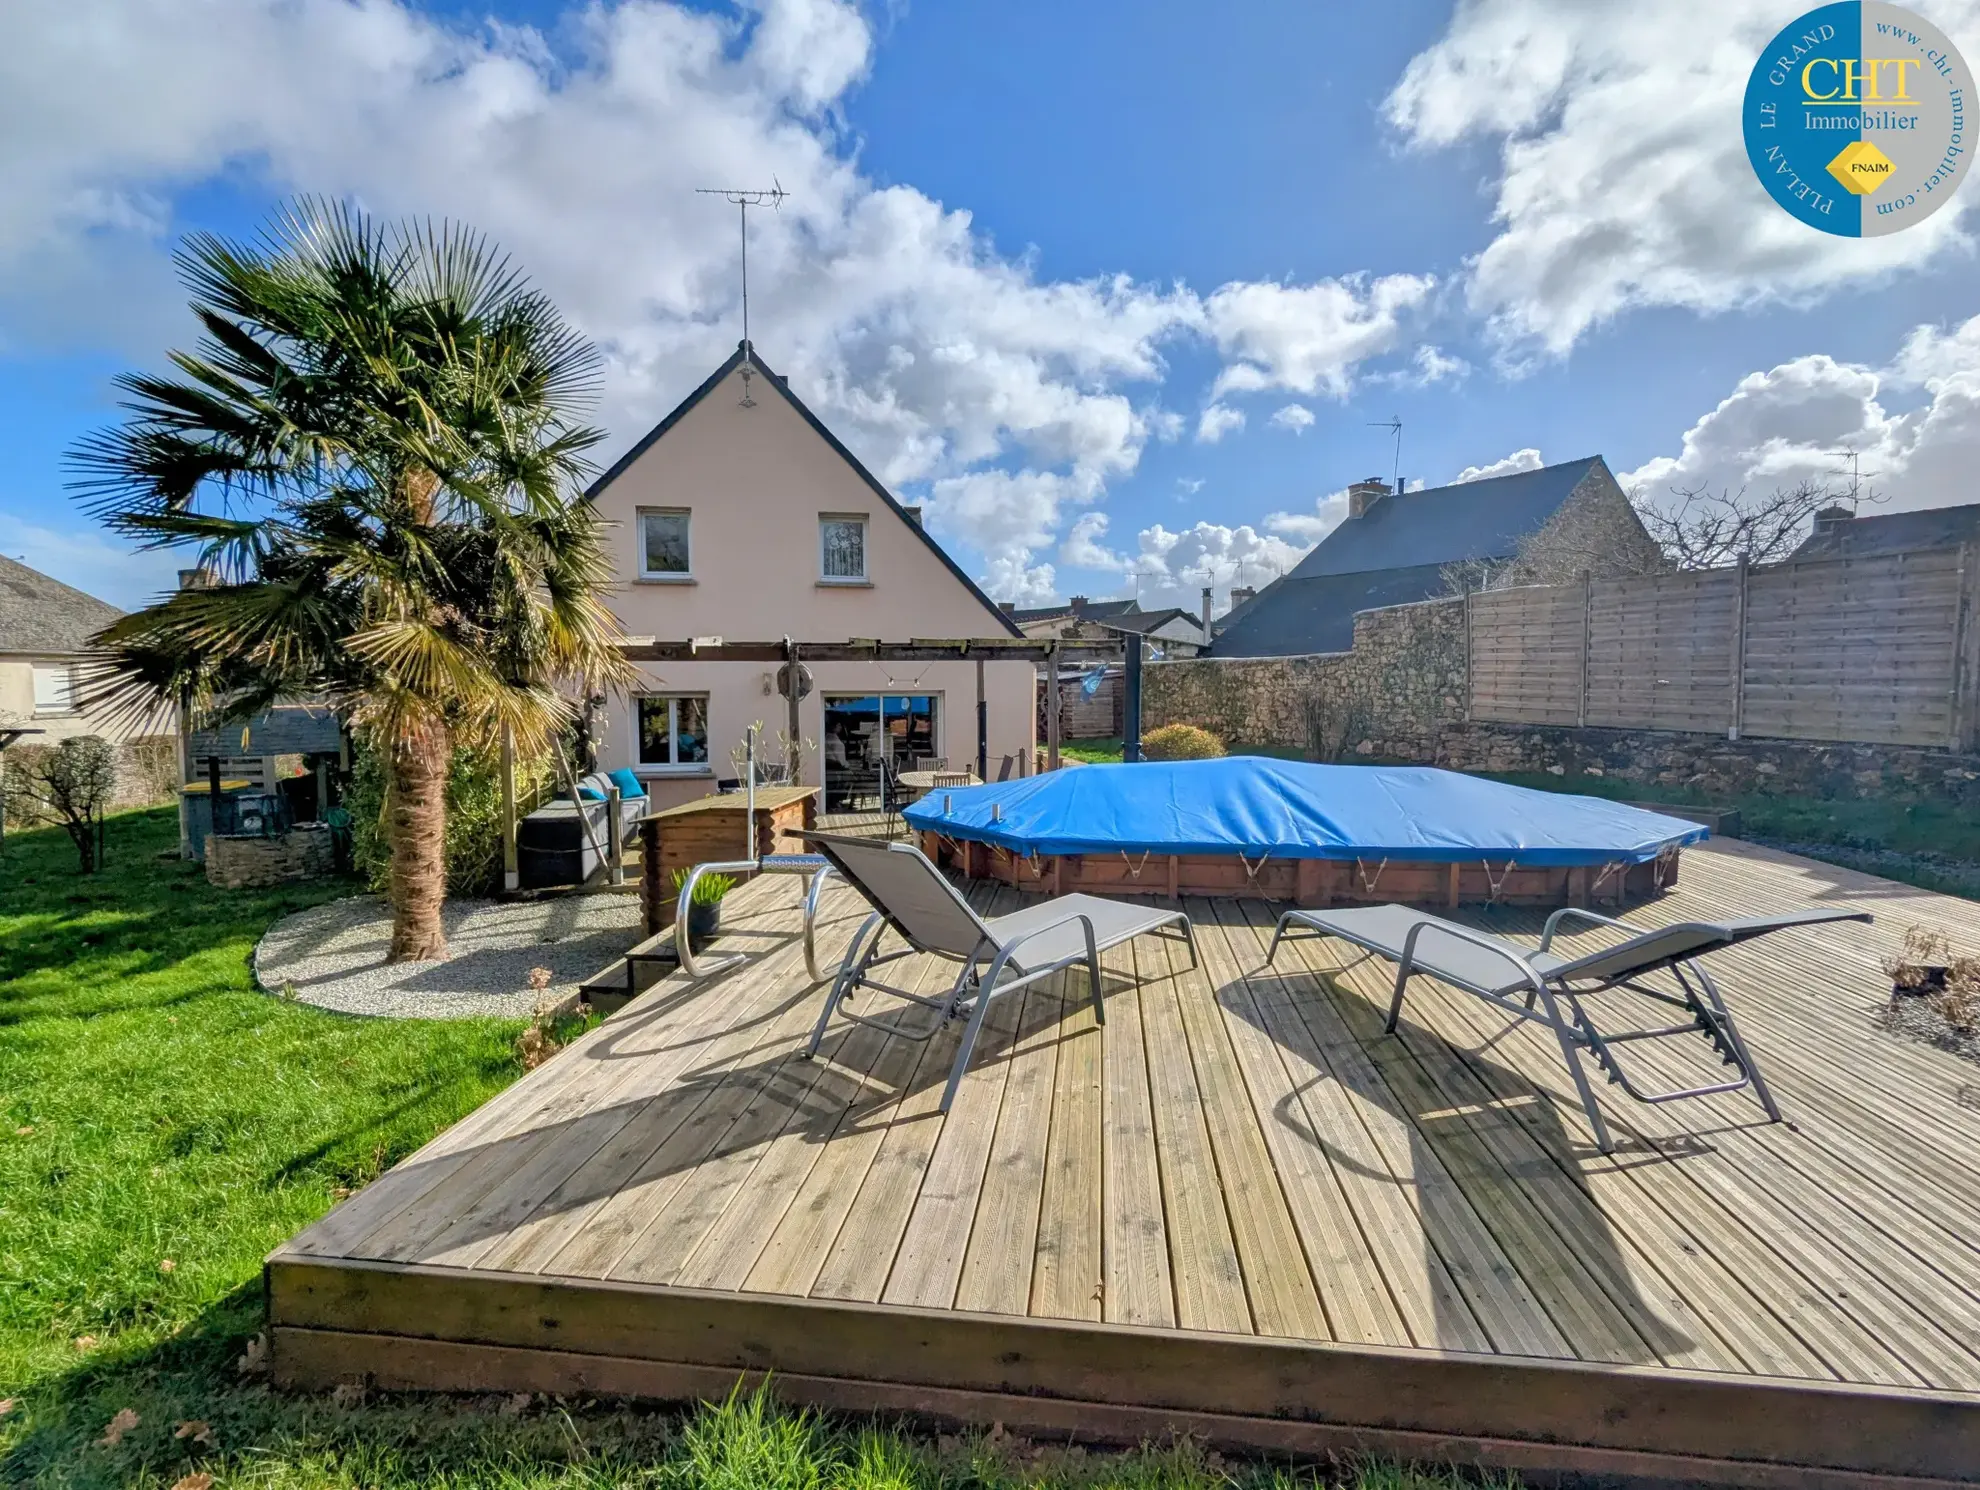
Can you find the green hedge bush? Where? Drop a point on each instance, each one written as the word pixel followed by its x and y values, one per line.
pixel 474 817
pixel 1180 742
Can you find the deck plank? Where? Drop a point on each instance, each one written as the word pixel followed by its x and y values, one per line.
pixel 1137 1287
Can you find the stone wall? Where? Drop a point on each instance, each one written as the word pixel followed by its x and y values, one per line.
pixel 303 853
pixel 1387 698
pixel 1713 765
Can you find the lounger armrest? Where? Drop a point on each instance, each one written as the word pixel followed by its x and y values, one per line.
pixel 1554 922
pixel 1458 933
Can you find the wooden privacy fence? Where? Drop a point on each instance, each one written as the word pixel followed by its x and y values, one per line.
pixel 1881 650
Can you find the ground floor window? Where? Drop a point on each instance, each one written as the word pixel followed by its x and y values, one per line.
pixel 673 731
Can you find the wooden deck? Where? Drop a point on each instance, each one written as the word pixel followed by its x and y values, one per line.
pixel 1237 1210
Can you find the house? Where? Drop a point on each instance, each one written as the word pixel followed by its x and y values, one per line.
pixel 741 516
pixel 1840 534
pixel 45 627
pixel 1172 630
pixel 1533 527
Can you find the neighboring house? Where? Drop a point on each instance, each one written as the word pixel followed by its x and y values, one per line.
pixel 1840 534
pixel 45 627
pixel 1173 630
pixel 1534 527
pixel 742 516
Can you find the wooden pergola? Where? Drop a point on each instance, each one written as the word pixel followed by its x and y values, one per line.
pixel 790 654
pixel 1048 652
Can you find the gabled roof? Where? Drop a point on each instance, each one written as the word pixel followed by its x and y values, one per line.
pixel 1145 621
pixel 45 617
pixel 745 351
pixel 1894 532
pixel 1443 524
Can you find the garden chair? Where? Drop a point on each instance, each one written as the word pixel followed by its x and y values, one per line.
pixel 1516 980
pixel 911 897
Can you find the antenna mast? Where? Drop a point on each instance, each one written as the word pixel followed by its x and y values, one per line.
pixel 1856 475
pixel 744 199
pixel 1394 424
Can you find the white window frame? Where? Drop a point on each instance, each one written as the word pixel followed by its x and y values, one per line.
pixel 865 575
pixel 666 576
pixel 62 698
pixel 643 767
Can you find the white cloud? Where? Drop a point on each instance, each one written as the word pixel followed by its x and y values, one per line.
pixel 1083 548
pixel 1520 460
pixel 1795 421
pixel 1217 421
pixel 1295 417
pixel 1622 176
pixel 579 151
pixel 1309 338
pixel 1174 567
pixel 1188 486
pixel 1308 528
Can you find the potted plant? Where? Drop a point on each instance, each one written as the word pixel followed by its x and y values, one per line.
pixel 704 919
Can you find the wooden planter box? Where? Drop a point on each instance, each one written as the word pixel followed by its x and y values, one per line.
pixel 1310 882
pixel 709 831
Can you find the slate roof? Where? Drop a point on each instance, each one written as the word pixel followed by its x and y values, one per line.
pixel 1317 615
pixel 745 350
pixel 1096 610
pixel 1145 621
pixel 43 617
pixel 1894 532
pixel 1394 554
pixel 1440 525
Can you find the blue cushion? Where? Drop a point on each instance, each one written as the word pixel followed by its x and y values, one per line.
pixel 590 794
pixel 628 784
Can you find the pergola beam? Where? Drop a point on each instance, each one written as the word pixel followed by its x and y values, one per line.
pixel 860 649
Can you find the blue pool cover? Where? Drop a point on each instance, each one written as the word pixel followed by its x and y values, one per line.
pixel 1293 810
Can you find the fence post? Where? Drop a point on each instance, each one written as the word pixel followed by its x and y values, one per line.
pixel 1581 693
pixel 1470 671
pixel 1966 655
pixel 1053 707
pixel 1738 651
pixel 1131 699
pixel 511 868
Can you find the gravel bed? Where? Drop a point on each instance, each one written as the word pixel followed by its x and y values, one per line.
pixel 333 955
pixel 1917 1017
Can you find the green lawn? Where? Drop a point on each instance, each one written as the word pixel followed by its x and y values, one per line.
pixel 163 1124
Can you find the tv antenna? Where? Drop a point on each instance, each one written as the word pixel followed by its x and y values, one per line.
pixel 1857 491
pixel 742 200
pixel 1393 424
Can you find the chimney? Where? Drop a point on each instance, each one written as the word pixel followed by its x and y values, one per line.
pixel 1206 610
pixel 1365 494
pixel 1241 594
pixel 1008 607
pixel 198 579
pixel 1078 606
pixel 913 515
pixel 1828 519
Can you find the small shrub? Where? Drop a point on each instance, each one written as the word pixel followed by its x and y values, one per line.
pixel 1923 948
pixel 1181 742
pixel 708 890
pixel 72 783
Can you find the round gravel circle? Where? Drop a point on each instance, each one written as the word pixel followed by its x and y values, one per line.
pixel 333 955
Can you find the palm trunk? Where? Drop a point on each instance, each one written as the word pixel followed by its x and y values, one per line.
pixel 418 817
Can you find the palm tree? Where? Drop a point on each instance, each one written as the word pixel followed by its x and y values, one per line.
pixel 375 450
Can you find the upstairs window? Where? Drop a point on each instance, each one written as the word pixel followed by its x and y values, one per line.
pixel 54 688
pixel 842 548
pixel 663 543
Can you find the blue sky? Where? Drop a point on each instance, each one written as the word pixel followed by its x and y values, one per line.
pixel 1031 244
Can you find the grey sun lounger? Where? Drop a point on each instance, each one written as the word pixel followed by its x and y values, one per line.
pixel 1517 980
pixel 913 899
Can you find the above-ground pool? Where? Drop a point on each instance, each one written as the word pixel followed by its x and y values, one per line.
pixel 1287 830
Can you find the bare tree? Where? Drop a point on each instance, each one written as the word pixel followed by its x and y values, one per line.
pixel 1701 529
pixel 70 783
